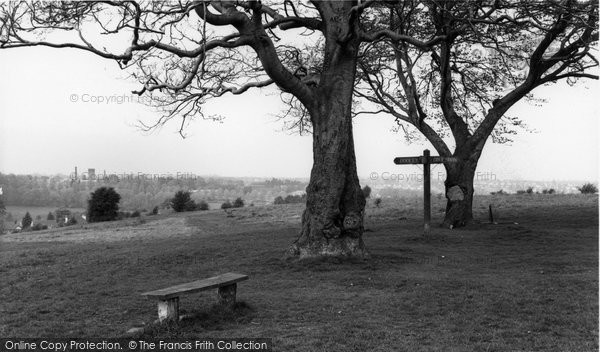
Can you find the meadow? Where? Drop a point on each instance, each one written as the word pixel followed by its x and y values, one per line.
pixel 529 283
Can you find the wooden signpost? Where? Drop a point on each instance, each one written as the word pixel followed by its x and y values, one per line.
pixel 426 160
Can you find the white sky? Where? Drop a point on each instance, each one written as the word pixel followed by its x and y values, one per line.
pixel 42 131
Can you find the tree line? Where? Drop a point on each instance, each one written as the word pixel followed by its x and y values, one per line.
pixel 60 191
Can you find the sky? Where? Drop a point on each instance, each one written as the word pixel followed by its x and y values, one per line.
pixel 51 121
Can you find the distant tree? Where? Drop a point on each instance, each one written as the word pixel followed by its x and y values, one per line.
pixel 588 188
pixel 135 214
pixel 26 221
pixel 103 205
pixel 279 200
pixel 377 202
pixel 202 205
pixel 529 190
pixel 50 216
pixel 366 192
pixel 182 201
pixel 238 203
pixel 154 211
pixel 2 207
pixel 226 205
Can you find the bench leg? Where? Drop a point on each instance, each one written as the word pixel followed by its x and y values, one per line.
pixel 168 309
pixel 227 295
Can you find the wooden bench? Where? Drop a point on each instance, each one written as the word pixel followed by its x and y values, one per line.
pixel 168 298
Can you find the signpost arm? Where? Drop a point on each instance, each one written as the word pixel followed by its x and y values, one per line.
pixel 426 193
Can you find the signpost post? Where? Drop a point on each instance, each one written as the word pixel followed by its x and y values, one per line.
pixel 426 160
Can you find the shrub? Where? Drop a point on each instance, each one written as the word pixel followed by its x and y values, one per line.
pixel 202 205
pixel 103 205
pixel 529 190
pixel 72 221
pixel 154 211
pixel 183 202
pixel 135 214
pixel 38 227
pixel 238 203
pixel 50 216
pixel 377 202
pixel 290 199
pixel 498 192
pixel 521 191
pixel 548 191
pixel 26 221
pixel 123 215
pixel 366 192
pixel 588 188
pixel 226 205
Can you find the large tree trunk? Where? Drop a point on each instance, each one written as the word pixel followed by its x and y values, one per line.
pixel 332 223
pixel 459 188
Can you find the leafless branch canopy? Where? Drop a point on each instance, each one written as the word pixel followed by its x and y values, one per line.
pixel 489 55
pixel 185 52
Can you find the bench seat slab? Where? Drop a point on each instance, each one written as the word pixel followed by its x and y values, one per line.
pixel 196 286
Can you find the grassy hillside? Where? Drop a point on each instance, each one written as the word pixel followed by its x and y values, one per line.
pixel 526 286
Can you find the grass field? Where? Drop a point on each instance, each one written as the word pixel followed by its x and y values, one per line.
pixel 529 286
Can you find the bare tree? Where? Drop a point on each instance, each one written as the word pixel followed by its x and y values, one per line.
pixel 185 53
pixel 492 55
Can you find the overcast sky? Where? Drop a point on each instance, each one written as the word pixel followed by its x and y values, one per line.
pixel 43 130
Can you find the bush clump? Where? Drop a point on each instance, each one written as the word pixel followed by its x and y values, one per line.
pixel 38 227
pixel 588 188
pixel 103 205
pixel 202 205
pixel 182 201
pixel 238 203
pixel 377 202
pixel 366 192
pixel 226 205
pixel 290 199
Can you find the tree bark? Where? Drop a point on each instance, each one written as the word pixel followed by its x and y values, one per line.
pixel 459 187
pixel 332 223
